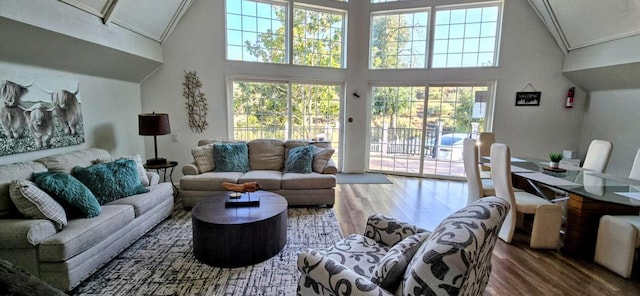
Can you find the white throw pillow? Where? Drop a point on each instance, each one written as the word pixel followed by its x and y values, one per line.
pixel 33 203
pixel 203 157
pixel 144 179
pixel 321 157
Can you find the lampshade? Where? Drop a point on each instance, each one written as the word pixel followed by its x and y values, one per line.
pixel 153 124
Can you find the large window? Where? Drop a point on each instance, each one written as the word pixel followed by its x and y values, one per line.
pixel 258 31
pixel 286 110
pixel 465 37
pixel 317 38
pixel 462 35
pixel 399 40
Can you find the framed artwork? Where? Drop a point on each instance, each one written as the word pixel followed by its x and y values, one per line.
pixel 528 98
pixel 38 114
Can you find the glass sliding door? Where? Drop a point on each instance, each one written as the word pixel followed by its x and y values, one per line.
pixel 396 135
pixel 418 130
pixel 450 118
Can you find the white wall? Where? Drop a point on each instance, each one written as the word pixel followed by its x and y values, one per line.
pixel 528 55
pixel 109 108
pixel 613 116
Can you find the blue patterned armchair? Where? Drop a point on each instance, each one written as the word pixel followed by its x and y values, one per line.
pixel 397 258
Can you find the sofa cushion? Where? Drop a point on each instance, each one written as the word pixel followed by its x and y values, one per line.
pixel 308 181
pixel 211 181
pixel 231 157
pixel 389 271
pixel 299 160
pixel 34 203
pixel 10 172
pixel 357 252
pixel 81 234
pixel 321 157
pixel 142 173
pixel 65 162
pixel 144 202
pixel 289 144
pixel 112 180
pixel 203 157
pixel 268 180
pixel 76 199
pixel 266 154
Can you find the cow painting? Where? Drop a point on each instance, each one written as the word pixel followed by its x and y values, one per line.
pixel 67 109
pixel 33 118
pixel 40 122
pixel 11 114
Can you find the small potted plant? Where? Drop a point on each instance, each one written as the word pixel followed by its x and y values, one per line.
pixel 554 159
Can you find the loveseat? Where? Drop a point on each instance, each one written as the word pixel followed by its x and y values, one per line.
pixel 267 159
pixel 64 257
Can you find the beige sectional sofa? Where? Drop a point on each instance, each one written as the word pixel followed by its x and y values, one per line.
pixel 64 258
pixel 266 162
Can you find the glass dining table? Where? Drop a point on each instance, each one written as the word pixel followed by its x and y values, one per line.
pixel 589 195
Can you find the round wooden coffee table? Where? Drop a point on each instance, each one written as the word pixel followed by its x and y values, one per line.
pixel 239 236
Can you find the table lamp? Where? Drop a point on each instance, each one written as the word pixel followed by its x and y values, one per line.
pixel 154 124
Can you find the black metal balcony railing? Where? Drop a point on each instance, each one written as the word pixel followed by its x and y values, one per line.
pixel 405 141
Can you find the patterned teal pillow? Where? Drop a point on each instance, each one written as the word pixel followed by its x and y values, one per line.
pixel 76 199
pixel 112 180
pixel 232 157
pixel 299 160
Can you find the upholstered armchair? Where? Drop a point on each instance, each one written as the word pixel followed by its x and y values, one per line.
pixel 393 257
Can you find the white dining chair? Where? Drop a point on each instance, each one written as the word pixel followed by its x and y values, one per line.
pixel 597 159
pixel 476 186
pixel 547 215
pixel 598 155
pixel 618 238
pixel 484 149
pixel 635 168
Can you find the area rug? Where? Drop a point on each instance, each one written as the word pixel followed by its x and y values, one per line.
pixel 162 262
pixel 362 179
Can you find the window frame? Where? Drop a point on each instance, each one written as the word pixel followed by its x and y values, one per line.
pixel 434 6
pixel 396 12
pixel 334 7
pixel 478 4
pixel 427 85
pixel 289 81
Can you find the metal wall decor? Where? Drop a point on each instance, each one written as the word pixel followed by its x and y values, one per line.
pixel 39 115
pixel 196 102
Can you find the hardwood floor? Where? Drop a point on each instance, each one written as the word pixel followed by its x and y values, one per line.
pixel 517 269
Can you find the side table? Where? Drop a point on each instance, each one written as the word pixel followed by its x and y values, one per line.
pixel 164 166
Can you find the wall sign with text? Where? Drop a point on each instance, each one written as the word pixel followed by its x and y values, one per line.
pixel 528 98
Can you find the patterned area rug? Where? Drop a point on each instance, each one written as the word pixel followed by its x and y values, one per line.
pixel 162 262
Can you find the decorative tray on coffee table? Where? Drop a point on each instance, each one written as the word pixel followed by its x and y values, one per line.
pixel 237 199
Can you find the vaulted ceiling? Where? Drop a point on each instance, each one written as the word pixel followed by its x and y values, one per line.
pixel 601 40
pixel 580 23
pixel 150 18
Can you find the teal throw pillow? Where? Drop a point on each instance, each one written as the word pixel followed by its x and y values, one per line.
pixel 232 157
pixel 299 160
pixel 75 198
pixel 112 180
